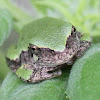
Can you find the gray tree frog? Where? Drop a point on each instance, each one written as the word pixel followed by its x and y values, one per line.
pixel 39 63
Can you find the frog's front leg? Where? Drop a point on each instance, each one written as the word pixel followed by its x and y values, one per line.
pixel 71 61
pixel 45 73
pixel 84 45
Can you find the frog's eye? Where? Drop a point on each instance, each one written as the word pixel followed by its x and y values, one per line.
pixel 34 47
pixel 73 29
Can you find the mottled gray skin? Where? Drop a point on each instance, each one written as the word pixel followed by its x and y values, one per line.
pixel 46 63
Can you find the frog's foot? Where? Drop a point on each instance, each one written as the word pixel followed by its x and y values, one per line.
pixel 84 45
pixel 70 62
pixel 45 73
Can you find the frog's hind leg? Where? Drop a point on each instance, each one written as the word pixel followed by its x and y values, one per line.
pixel 45 73
pixel 84 45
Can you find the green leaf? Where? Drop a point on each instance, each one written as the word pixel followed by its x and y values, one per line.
pixel 5 25
pixel 45 32
pixel 3 67
pixel 13 88
pixel 84 80
pixel 83 14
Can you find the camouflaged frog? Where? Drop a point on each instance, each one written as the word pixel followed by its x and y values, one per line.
pixel 39 63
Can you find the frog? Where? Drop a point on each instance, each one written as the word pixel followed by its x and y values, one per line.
pixel 44 47
pixel 36 63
